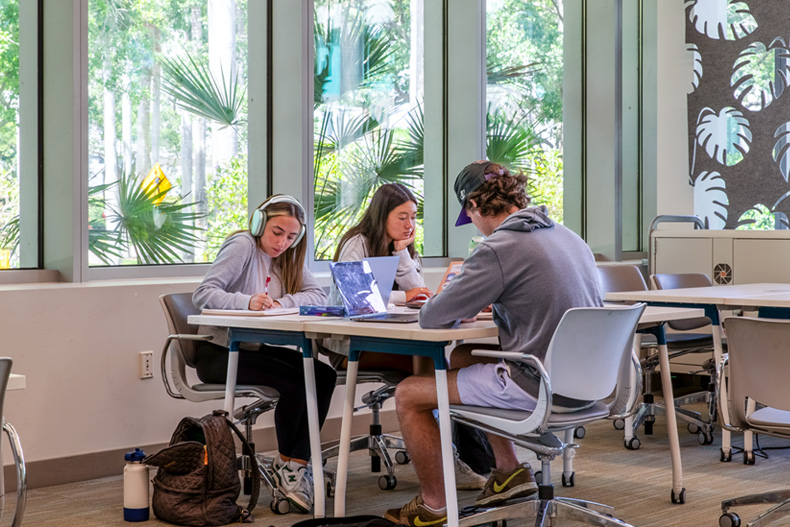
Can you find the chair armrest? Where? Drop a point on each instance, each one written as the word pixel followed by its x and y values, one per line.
pixel 163 363
pixel 722 396
pixel 543 407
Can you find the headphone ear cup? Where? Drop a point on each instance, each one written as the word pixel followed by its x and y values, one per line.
pixel 299 236
pixel 257 222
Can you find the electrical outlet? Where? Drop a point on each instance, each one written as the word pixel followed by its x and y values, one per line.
pixel 146 364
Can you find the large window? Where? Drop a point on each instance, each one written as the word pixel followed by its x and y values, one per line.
pixel 368 118
pixel 524 94
pixel 167 129
pixel 9 135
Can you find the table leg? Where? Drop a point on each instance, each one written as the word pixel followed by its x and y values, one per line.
pixel 319 489
pixel 345 439
pixel 230 378
pixel 448 464
pixel 718 353
pixel 678 492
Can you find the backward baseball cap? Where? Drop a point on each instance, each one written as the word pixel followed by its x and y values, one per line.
pixel 469 180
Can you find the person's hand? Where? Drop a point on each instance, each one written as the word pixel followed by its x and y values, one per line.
pixel 399 245
pixel 418 293
pixel 261 301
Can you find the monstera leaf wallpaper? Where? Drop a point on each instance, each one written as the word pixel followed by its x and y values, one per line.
pixel 739 109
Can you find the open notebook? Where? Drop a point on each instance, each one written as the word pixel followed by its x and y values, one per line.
pixel 250 313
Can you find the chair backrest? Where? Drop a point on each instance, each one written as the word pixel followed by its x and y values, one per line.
pixel 177 308
pixel 616 278
pixel 759 359
pixel 678 281
pixel 589 349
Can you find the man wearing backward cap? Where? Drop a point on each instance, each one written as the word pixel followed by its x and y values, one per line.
pixel 530 270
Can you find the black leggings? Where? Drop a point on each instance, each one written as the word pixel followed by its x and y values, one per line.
pixel 283 370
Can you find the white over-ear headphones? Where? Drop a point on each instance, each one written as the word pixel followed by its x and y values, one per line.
pixel 259 216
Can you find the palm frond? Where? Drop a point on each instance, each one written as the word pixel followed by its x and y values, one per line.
pixel 158 233
pixel 196 90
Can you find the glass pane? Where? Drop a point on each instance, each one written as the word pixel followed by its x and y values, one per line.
pixel 167 129
pixel 9 135
pixel 524 94
pixel 368 119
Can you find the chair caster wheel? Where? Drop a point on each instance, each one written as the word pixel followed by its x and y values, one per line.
pixel 387 482
pixel 705 438
pixel 579 432
pixel 632 444
pixel 693 428
pixel 680 498
pixel 280 506
pixel 402 457
pixel 619 424
pixel 569 482
pixel 725 458
pixel 539 477
pixel 729 519
pixel 748 458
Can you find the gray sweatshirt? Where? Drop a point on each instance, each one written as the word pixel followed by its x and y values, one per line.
pixel 532 270
pixel 238 273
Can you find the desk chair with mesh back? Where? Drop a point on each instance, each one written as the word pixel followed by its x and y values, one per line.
pixel 697 343
pixel 180 346
pixel 754 375
pixel 589 358
pixel 376 442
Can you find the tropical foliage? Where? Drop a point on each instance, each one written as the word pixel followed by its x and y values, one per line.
pixel 160 93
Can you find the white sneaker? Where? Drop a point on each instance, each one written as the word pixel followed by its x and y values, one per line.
pixel 466 478
pixel 295 483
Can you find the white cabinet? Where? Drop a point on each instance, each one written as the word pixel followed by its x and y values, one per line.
pixel 727 256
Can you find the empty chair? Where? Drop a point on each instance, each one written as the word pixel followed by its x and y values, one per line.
pixel 753 396
pixel 16 450
pixel 589 358
pixel 180 347
pixel 697 343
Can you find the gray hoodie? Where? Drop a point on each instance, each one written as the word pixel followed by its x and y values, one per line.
pixel 532 270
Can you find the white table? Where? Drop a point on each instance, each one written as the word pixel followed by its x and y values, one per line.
pixel 404 339
pixel 277 330
pixel 773 296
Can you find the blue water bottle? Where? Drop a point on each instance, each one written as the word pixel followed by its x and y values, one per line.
pixel 135 487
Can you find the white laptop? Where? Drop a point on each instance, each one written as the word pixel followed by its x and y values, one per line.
pixel 361 296
pixel 384 269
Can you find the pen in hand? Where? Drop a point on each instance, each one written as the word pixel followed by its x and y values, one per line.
pixel 266 285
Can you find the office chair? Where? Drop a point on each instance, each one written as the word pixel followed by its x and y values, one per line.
pixel 16 450
pixel 754 375
pixel 376 443
pixel 680 344
pixel 590 358
pixel 180 346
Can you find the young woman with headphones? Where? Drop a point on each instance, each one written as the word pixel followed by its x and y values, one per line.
pixel 263 268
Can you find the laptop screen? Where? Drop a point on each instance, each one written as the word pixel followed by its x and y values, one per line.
pixel 357 287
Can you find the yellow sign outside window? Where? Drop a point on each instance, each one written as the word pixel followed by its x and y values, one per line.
pixel 156 184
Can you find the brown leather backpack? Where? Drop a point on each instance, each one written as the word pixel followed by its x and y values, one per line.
pixel 198 482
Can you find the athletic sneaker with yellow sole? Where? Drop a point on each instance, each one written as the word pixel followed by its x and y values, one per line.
pixel 416 514
pixel 502 486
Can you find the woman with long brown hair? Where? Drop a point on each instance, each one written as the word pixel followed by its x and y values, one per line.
pixel 258 269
